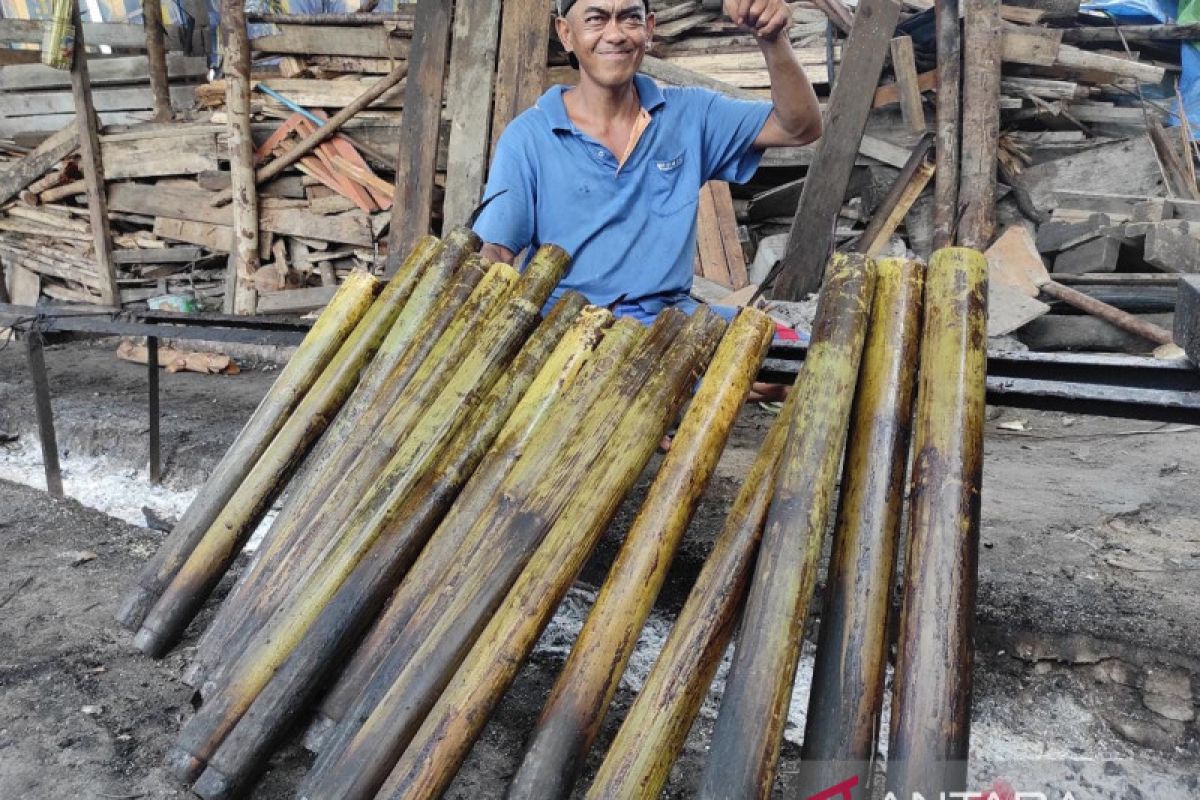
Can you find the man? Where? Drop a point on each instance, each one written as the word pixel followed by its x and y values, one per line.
pixel 611 169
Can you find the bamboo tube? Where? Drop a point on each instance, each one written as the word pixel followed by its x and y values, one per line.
pixel 572 717
pixel 335 323
pixel 214 553
pixel 497 343
pixel 931 696
pixel 437 288
pixel 444 739
pixel 745 743
pixel 490 558
pixel 650 739
pixel 339 621
pixel 846 698
pixel 559 372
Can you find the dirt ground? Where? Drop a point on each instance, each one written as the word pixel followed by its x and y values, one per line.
pixel 1088 645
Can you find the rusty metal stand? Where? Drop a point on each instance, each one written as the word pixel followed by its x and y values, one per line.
pixel 45 416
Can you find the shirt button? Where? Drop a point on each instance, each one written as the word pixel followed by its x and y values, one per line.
pixel 599 154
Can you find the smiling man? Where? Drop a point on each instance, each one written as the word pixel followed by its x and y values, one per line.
pixel 611 169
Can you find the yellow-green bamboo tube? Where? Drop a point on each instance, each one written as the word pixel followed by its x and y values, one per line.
pixel 335 448
pixel 650 739
pixel 358 599
pixel 572 717
pixel 444 739
pixel 208 560
pixel 495 345
pixel 336 322
pixel 556 375
pixel 500 543
pixel 846 698
pixel 931 695
pixel 745 744
pixel 467 303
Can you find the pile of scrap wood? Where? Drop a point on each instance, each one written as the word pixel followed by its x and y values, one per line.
pixel 442 491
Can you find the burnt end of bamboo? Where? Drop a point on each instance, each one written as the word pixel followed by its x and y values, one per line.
pixel 432 758
pixel 314 353
pixel 846 698
pixel 639 759
pixel 500 543
pixel 931 697
pixel 340 621
pixel 745 744
pixel 572 717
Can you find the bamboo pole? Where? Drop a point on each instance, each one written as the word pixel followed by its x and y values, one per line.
pixel 846 698
pixel 931 696
pixel 497 343
pixel 745 744
pixel 502 541
pixel 427 272
pixel 657 724
pixel 444 739
pixel 572 716
pixel 156 57
pixel 560 371
pixel 340 620
pixel 335 323
pixel 240 297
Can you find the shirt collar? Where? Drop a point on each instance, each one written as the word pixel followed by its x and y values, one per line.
pixel 551 103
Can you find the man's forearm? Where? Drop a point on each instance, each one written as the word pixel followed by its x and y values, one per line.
pixel 796 105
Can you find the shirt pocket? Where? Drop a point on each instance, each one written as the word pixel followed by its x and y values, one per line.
pixel 671 190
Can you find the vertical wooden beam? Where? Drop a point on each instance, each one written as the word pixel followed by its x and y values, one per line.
pixel 981 122
pixel 412 207
pixel 469 106
pixel 949 118
pixel 93 168
pixel 244 259
pixel 521 70
pixel 811 236
pixel 152 409
pixel 41 405
pixel 904 65
pixel 152 23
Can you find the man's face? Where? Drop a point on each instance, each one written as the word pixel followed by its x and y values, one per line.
pixel 609 37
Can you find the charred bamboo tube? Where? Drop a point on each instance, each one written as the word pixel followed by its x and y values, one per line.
pixel 335 323
pixel 421 279
pixel 431 760
pixel 848 680
pixel 236 680
pixel 745 743
pixel 931 697
pixel 559 372
pixel 498 342
pixel 650 739
pixel 420 372
pixel 490 558
pixel 340 621
pixel 572 717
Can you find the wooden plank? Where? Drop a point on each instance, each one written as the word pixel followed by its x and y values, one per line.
pixel 93 169
pixel 1098 255
pixel 727 225
pixel 811 235
pixel 469 105
pixel 1078 59
pixel 24 285
pixel 25 171
pixel 1010 309
pixel 981 123
pixel 1127 167
pixel 296 301
pixel 1187 317
pixel 124 35
pixel 240 296
pixel 1036 46
pixel 710 248
pixel 21 104
pixel 45 124
pixel 904 65
pixel 151 158
pixel 521 66
pixel 218 238
pixel 907 187
pixel 746 70
pixel 1171 250
pixel 310 93
pixel 412 208
pixel 105 72
pixel 169 255
pixel 333 40
pixel 889 94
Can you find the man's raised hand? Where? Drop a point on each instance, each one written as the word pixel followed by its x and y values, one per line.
pixel 765 18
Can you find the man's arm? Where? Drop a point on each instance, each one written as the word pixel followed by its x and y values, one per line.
pixel 497 252
pixel 796 119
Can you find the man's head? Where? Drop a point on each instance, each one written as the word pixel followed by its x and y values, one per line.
pixel 607 37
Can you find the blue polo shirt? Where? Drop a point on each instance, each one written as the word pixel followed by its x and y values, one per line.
pixel 631 230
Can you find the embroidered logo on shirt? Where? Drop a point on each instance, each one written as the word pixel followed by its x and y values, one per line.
pixel 667 166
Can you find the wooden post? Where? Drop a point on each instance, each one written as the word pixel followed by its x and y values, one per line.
pixel 93 169
pixel 152 22
pixel 469 106
pixel 152 408
pixel 949 117
pixel 521 69
pixel 412 207
pixel 981 123
pixel 904 65
pixel 41 405
pixel 244 260
pixel 811 237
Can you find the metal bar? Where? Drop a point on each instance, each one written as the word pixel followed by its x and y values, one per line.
pixel 358 19
pixel 152 388
pixel 106 327
pixel 45 414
